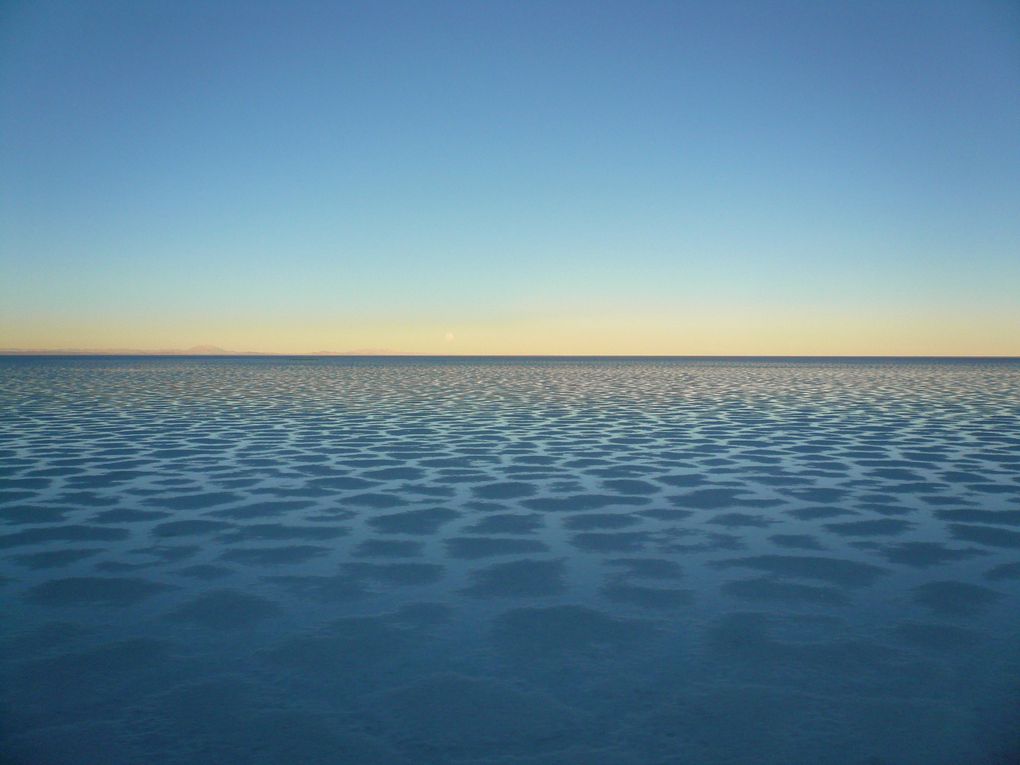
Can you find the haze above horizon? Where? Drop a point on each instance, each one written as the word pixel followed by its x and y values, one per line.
pixel 734 178
pixel 388 353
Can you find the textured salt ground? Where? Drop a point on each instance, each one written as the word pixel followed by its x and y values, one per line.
pixel 509 562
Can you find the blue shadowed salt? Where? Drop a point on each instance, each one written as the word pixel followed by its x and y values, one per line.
pixel 509 561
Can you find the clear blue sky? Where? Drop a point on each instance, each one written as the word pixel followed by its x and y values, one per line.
pixel 789 177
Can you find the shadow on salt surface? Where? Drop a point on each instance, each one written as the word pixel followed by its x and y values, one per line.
pixel 790 650
pixel 925 554
pixel 387 548
pixel 189 528
pixel 505 490
pixel 518 579
pixel 766 590
pixel 1004 571
pixel 54 558
pixel 129 515
pixel 589 521
pixel 420 522
pixel 203 571
pixel 279 531
pixel 837 571
pixel 170 553
pixel 507 523
pixel 992 517
pixel 738 520
pixel 400 574
pixel 646 597
pixel 954 598
pixel 41 514
pixel 871 528
pixel 610 542
pixel 938 637
pixel 201 501
pixel 273 556
pixel 35 536
pixel 796 541
pixel 815 513
pixel 85 683
pixel 473 548
pixel 214 721
pixel 341 663
pixel 648 568
pixel 218 719
pixel 339 588
pixel 711 541
pixel 710 499
pixel 990 536
pixel 577 503
pixel 566 635
pixel 94 591
pixel 753 724
pixel 224 610
pixel 374 499
pixel 260 509
pixel 450 715
pixel 631 487
pixel 422 615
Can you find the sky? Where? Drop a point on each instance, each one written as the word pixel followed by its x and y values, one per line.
pixel 512 177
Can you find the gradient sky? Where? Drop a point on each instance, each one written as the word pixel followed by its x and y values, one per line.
pixel 512 177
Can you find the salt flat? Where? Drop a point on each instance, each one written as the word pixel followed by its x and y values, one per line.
pixel 510 561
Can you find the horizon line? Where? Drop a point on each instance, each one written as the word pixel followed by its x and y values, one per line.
pixel 71 353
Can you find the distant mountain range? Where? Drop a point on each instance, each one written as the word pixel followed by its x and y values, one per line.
pixel 195 350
